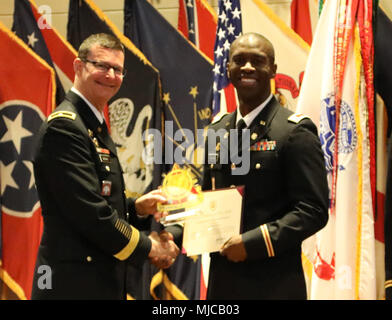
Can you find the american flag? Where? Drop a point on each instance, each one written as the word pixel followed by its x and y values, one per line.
pixel 229 28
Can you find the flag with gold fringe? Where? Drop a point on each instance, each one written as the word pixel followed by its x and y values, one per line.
pixel 23 108
pixel 338 94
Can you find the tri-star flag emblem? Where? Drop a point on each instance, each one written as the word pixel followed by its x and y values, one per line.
pixel 19 122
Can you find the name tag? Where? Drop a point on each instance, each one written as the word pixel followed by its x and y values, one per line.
pixel 104 158
pixel 104 155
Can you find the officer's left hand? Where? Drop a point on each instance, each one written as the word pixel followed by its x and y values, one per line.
pixel 147 203
pixel 234 249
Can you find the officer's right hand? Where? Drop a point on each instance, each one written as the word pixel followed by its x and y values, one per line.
pixel 163 251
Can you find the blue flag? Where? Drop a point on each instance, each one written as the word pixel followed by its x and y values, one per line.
pixel 186 77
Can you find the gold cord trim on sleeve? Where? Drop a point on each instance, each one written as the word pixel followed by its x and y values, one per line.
pixel 267 240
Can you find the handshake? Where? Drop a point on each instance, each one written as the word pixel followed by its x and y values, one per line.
pixel 163 251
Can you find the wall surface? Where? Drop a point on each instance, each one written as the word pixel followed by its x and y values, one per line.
pixel 114 10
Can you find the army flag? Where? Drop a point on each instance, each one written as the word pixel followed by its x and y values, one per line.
pixel 197 22
pixel 27 96
pixel 134 108
pixel 187 88
pixel 337 94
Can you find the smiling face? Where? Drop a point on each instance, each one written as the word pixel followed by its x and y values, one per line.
pixel 96 85
pixel 250 68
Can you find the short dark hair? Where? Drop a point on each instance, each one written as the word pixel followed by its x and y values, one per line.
pixel 104 40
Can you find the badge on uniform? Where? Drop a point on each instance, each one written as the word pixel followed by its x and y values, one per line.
pixel 104 155
pixel 263 145
pixel 106 188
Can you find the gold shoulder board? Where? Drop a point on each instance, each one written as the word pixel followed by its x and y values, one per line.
pixel 297 117
pixel 62 114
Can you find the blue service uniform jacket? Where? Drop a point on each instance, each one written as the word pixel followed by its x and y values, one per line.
pixel 87 237
pixel 285 201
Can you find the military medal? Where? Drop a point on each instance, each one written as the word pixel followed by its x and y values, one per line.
pixel 263 145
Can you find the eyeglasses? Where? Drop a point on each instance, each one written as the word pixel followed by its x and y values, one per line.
pixel 105 67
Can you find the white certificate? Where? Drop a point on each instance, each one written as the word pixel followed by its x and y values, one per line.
pixel 218 219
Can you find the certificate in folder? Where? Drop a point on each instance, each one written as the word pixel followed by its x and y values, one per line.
pixel 219 218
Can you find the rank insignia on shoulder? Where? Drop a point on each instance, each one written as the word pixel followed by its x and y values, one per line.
pixel 297 117
pixel 62 114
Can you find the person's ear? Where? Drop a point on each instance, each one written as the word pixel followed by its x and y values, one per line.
pixel 228 70
pixel 77 65
pixel 273 70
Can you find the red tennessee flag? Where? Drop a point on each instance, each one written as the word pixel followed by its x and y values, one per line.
pixel 27 96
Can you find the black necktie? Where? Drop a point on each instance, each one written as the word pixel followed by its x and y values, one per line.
pixel 107 138
pixel 240 126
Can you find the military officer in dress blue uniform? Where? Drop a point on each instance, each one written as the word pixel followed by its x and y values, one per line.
pixel 91 230
pixel 286 190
